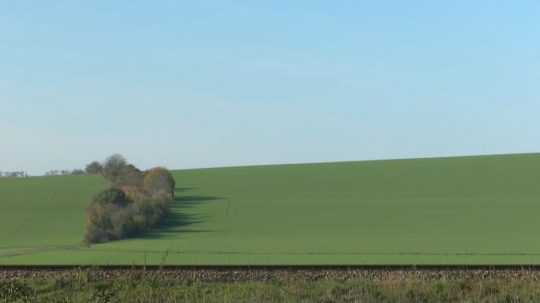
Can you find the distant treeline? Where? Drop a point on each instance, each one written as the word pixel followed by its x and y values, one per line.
pixel 13 174
pixel 135 202
pixel 54 172
pixel 75 172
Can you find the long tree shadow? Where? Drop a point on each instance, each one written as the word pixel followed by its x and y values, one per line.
pixel 178 221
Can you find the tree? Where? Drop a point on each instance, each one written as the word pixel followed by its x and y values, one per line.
pixel 159 181
pixel 94 168
pixel 129 175
pixel 113 167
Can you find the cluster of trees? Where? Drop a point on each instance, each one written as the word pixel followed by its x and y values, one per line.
pixel 14 174
pixel 136 201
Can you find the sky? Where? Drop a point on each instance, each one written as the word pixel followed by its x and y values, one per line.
pixel 189 84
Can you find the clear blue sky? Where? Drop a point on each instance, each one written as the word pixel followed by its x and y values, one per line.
pixel 215 83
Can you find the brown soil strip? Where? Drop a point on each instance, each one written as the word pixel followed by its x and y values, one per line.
pixel 276 273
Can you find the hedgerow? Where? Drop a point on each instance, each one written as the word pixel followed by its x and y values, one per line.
pixel 136 202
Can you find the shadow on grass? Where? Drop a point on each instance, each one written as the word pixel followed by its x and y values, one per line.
pixel 178 221
pixel 183 189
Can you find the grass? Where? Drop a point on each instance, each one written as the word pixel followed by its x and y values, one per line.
pixel 467 210
pixel 83 288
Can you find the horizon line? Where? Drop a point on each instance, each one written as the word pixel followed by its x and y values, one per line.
pixel 457 156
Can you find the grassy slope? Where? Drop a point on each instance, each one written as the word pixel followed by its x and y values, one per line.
pixel 453 210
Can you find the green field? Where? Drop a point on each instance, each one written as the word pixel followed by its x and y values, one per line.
pixel 448 210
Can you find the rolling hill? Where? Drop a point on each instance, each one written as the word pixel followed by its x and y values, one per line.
pixel 463 210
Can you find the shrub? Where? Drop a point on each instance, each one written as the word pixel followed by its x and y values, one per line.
pixel 122 223
pixel 99 226
pixel 107 222
pixel 134 193
pixel 112 196
pixel 159 181
pixel 101 216
pixel 112 216
pixel 95 234
pixel 152 211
